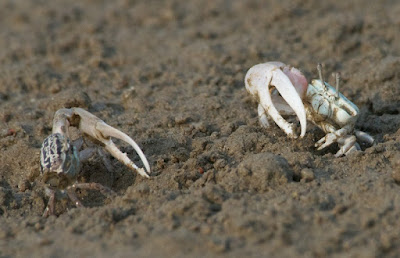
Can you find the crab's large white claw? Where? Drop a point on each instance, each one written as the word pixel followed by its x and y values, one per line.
pixel 108 132
pixel 258 81
pixel 96 128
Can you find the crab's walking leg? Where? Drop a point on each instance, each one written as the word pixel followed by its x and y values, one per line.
pixel 50 205
pixel 330 138
pixel 347 145
pixel 363 136
pixel 72 196
pixel 107 163
pixel 87 153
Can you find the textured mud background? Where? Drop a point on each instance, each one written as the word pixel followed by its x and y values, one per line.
pixel 170 74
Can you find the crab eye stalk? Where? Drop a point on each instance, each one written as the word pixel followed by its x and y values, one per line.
pixel 321 76
pixel 337 77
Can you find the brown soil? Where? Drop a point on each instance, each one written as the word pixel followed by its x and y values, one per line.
pixel 170 74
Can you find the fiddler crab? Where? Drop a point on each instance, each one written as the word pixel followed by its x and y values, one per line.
pixel 60 159
pixel 283 90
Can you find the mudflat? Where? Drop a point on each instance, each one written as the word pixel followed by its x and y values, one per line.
pixel 170 75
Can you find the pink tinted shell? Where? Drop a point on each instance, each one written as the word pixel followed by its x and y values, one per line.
pixel 298 80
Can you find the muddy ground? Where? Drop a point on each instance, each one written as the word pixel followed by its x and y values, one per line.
pixel 170 74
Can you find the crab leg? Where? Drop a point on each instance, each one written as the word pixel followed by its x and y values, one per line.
pixel 50 205
pixel 363 136
pixel 347 145
pixel 72 196
pixel 258 81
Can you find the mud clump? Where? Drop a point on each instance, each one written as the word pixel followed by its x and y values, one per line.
pixel 261 171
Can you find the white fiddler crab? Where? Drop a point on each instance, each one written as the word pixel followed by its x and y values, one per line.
pixel 60 159
pixel 281 89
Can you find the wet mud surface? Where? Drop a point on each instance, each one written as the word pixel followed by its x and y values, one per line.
pixel 170 74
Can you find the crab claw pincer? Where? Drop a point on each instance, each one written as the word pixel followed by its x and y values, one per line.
pixel 97 129
pixel 292 87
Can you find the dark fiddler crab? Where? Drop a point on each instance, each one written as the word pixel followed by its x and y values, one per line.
pixel 60 159
pixel 282 89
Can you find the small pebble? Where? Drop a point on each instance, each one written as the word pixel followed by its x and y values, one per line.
pixel 307 175
pixel 220 164
pixel 45 242
pixel 218 245
pixel 180 119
